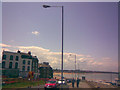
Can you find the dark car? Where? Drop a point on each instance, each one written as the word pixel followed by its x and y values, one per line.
pixel 69 80
pixel 52 83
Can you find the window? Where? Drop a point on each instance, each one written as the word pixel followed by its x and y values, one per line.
pixel 23 61
pixel 28 62
pixel 3 64
pixel 17 58
pixel 11 57
pixel 28 68
pixel 16 65
pixel 4 57
pixel 23 68
pixel 10 65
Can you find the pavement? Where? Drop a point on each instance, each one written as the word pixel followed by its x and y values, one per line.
pixel 100 85
pixel 82 84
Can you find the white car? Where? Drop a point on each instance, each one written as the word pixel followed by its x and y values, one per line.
pixel 62 81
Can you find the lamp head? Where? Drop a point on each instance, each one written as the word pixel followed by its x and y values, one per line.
pixel 46 6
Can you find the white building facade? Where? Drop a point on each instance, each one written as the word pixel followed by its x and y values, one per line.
pixel 21 62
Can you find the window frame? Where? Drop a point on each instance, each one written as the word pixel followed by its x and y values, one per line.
pixel 16 58
pixel 27 68
pixel 23 69
pixel 2 64
pixel 11 65
pixel 11 57
pixel 28 62
pixel 15 65
pixel 24 62
pixel 4 57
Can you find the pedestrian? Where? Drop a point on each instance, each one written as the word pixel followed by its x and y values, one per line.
pixel 78 80
pixel 73 81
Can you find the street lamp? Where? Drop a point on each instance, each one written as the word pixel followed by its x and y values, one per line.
pixel 47 6
pixel 78 70
pixel 75 66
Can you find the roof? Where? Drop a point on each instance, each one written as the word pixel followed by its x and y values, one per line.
pixel 9 52
pixel 23 55
pixel 43 65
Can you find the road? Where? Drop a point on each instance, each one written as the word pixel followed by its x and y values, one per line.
pixel 69 85
pixel 82 84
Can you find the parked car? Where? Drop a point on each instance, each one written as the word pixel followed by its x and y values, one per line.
pixel 62 81
pixel 69 80
pixel 52 83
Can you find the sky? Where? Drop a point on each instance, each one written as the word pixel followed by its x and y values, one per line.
pixel 90 33
pixel 60 0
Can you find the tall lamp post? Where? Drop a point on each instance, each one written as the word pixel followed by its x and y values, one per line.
pixel 75 66
pixel 47 6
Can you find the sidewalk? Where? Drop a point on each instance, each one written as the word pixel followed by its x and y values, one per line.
pixel 100 85
pixel 82 84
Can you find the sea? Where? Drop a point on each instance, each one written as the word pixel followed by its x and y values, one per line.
pixel 106 77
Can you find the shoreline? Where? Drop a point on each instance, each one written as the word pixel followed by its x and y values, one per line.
pixel 89 76
pixel 99 85
pixel 90 82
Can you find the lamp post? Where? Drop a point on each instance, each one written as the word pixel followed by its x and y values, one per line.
pixel 75 66
pixel 78 70
pixel 47 6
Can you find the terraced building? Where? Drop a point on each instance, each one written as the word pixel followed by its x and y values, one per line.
pixel 19 64
pixel 45 70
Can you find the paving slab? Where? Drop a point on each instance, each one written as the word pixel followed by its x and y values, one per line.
pixel 82 84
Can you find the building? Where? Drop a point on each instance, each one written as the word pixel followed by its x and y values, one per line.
pixel 19 64
pixel 45 70
pixel 10 66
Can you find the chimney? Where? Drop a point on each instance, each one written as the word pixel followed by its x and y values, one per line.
pixel 29 52
pixel 18 51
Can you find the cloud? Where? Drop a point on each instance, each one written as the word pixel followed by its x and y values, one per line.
pixel 5 49
pixel 35 32
pixel 54 58
pixel 85 62
pixel 4 45
pixel 33 47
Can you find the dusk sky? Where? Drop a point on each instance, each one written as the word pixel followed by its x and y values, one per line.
pixel 90 32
